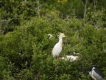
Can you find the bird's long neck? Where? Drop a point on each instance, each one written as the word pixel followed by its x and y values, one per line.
pixel 60 40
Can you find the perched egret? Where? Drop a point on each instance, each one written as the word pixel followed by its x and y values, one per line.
pixel 95 73
pixel 71 58
pixel 58 46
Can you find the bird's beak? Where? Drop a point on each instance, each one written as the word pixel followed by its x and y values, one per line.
pixel 65 36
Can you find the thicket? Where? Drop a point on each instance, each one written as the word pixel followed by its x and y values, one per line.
pixel 25 48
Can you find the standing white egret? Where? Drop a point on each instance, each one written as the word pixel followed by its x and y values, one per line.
pixel 58 46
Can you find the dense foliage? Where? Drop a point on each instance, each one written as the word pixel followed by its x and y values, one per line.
pixel 25 48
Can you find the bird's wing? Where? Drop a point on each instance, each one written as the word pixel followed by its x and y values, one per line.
pixel 56 49
pixel 97 74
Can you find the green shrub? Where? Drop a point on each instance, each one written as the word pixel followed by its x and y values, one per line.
pixel 28 50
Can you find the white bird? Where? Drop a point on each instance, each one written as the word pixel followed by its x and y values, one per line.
pixel 71 58
pixel 58 46
pixel 50 36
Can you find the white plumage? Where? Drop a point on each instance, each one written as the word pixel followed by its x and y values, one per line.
pixel 71 58
pixel 75 53
pixel 50 36
pixel 58 46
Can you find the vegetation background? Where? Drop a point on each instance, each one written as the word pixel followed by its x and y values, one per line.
pixel 25 49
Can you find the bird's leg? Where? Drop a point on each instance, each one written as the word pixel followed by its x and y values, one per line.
pixel 57 57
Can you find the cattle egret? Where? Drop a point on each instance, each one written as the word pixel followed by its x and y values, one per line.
pixel 58 46
pixel 95 73
pixel 71 58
